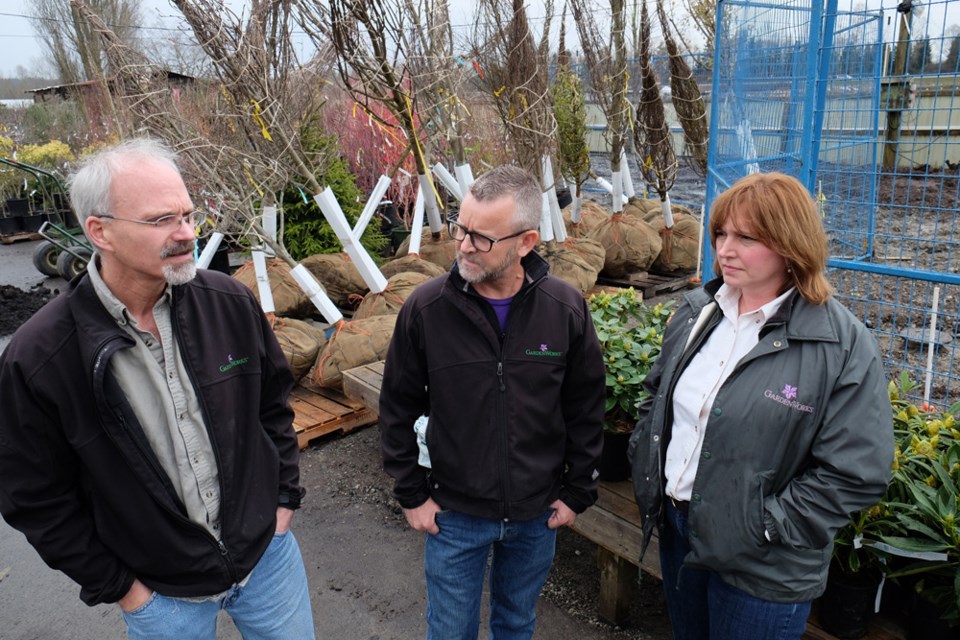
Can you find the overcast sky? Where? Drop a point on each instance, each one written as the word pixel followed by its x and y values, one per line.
pixel 20 48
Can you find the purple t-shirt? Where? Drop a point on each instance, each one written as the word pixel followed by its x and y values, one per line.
pixel 502 309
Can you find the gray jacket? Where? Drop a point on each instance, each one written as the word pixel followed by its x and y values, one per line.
pixel 800 435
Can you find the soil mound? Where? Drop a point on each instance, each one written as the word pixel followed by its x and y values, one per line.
pixel 17 305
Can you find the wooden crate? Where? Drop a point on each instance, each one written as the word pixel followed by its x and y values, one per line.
pixel 362 384
pixel 320 411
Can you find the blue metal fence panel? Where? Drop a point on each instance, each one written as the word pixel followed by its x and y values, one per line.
pixel 864 108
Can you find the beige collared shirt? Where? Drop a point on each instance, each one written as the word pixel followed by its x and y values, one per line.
pixel 154 379
pixel 697 387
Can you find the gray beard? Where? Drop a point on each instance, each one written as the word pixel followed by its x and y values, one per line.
pixel 179 274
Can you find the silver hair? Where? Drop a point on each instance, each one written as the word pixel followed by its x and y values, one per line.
pixel 90 184
pixel 512 181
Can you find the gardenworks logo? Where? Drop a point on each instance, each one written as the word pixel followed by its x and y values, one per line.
pixel 544 352
pixel 233 362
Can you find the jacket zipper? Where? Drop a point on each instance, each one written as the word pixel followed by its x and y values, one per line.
pixel 224 552
pixel 504 453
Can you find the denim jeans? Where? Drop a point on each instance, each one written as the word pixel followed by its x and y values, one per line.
pixel 704 607
pixel 455 564
pixel 273 605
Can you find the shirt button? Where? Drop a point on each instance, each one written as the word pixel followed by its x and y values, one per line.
pixel 777 343
pixel 706 455
pixel 717 411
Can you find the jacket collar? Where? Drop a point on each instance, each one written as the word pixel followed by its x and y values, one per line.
pixel 799 318
pixel 535 269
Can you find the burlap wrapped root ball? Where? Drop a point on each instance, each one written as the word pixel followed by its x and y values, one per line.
pixel 679 248
pixel 339 276
pixel 353 344
pixel 411 263
pixel 300 342
pixel 576 261
pixel 441 252
pixel 630 245
pixel 591 215
pixel 656 210
pixel 389 301
pixel 641 208
pixel 289 300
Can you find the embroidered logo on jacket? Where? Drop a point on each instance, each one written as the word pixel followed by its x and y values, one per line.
pixel 233 362
pixel 544 352
pixel 787 397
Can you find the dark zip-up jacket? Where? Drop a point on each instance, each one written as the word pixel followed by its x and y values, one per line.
pixel 78 477
pixel 800 435
pixel 515 418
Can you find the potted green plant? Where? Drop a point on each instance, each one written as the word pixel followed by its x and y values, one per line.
pixel 630 335
pixel 922 499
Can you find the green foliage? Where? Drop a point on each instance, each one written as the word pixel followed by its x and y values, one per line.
pixel 61 120
pixel 918 513
pixel 630 335
pixel 570 111
pixel 306 232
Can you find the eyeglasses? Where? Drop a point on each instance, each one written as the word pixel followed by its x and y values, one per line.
pixel 480 242
pixel 170 221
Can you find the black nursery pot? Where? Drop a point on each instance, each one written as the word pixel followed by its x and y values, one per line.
pixel 9 226
pixel 925 623
pixel 614 465
pixel 847 606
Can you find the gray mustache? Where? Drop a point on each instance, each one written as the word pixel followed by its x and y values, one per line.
pixel 176 249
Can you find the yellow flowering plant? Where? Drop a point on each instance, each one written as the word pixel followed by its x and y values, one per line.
pixel 917 519
pixel 630 334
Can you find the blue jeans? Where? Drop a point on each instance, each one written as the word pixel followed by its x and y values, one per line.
pixel 273 605
pixel 455 563
pixel 704 607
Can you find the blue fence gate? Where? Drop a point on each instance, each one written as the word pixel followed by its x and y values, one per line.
pixel 864 108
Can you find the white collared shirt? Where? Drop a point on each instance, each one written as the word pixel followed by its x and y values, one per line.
pixel 697 387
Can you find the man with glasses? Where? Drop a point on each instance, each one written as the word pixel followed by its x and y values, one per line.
pixel 147 447
pixel 504 360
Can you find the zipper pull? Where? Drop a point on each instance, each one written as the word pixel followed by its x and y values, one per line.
pixel 500 375
pixel 223 548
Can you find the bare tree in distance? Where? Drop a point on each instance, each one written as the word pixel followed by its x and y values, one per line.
pixel 606 60
pixel 72 45
pixel 514 74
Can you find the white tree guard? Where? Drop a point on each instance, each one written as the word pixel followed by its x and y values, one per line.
pixel 667 212
pixel 628 189
pixel 606 186
pixel 546 223
pixel 553 204
pixel 316 294
pixel 203 262
pixel 351 245
pixel 416 227
pixel 448 181
pixel 430 203
pixel 617 191
pixel 371 207
pixel 263 281
pixel 575 207
pixel 268 221
pixel 464 177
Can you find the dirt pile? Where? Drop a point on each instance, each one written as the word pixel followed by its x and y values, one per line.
pixel 17 305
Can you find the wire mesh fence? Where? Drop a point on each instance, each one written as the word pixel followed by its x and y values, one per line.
pixel 863 107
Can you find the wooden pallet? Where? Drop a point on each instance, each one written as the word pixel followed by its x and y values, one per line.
pixel 650 284
pixel 320 411
pixel 18 237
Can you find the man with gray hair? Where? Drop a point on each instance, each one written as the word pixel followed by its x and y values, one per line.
pixel 504 360
pixel 147 447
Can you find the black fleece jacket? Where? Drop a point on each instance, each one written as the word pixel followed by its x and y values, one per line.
pixel 515 418
pixel 78 478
